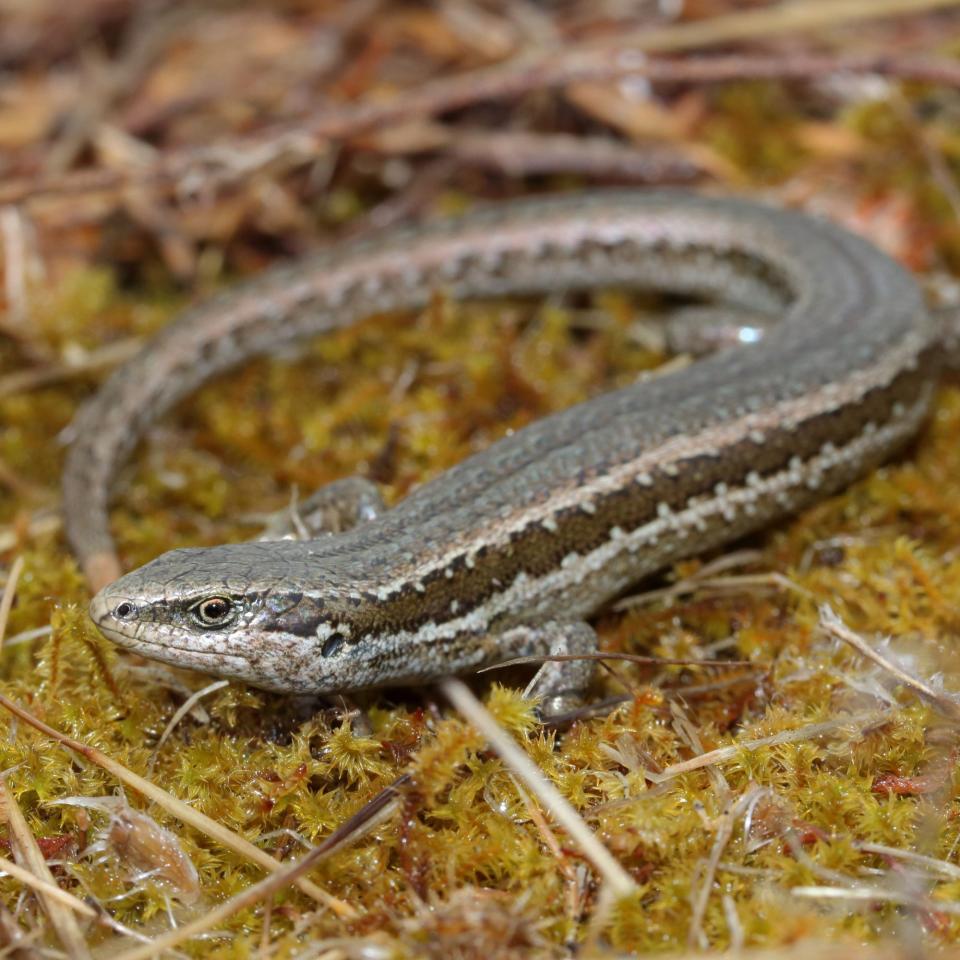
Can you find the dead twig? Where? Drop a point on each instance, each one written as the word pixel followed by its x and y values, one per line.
pixel 605 60
pixel 625 657
pixel 149 34
pixel 520 153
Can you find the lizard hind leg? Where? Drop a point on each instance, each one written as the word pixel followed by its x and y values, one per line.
pixel 558 684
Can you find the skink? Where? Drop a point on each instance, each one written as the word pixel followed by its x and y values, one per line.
pixel 507 553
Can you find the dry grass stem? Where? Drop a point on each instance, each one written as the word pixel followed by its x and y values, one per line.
pixel 28 854
pixel 549 837
pixel 380 808
pixel 25 636
pixel 44 523
pixel 790 18
pixel 809 732
pixel 833 626
pixel 929 864
pixel 9 593
pixel 33 378
pixel 701 897
pixel 51 890
pixel 14 266
pixel 533 778
pixel 741 583
pixel 877 895
pixel 180 713
pixel 178 808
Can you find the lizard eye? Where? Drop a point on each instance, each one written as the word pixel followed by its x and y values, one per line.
pixel 213 611
pixel 124 610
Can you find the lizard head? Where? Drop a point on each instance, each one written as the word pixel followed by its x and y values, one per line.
pixel 213 610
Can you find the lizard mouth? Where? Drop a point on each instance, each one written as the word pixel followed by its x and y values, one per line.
pixel 115 618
